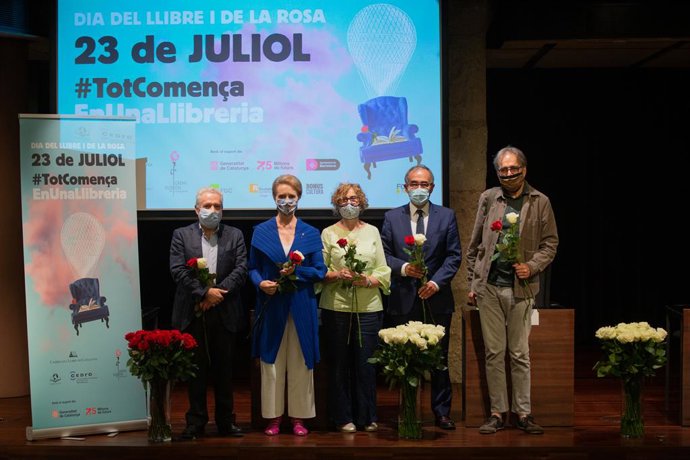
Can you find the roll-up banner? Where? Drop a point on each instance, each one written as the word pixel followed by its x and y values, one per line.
pixel 82 273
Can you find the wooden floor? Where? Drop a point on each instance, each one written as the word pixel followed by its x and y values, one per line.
pixel 594 436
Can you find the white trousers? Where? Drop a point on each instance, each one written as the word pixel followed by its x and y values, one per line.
pixel 300 380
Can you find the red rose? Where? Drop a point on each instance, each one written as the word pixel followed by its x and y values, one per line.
pixel 188 341
pixel 296 257
pixel 342 242
pixel 365 129
pixel 191 263
pixel 409 240
pixel 497 226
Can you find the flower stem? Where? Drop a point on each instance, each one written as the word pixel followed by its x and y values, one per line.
pixel 530 299
pixel 632 424
pixel 409 425
pixel 160 428
pixel 354 310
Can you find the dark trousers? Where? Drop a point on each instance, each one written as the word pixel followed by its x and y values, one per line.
pixel 351 379
pixel 221 343
pixel 441 390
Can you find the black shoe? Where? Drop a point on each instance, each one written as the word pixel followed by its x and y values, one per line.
pixel 444 422
pixel 492 425
pixel 231 430
pixel 192 432
pixel 526 424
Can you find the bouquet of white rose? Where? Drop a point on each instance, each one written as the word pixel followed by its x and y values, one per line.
pixel 409 353
pixel 632 351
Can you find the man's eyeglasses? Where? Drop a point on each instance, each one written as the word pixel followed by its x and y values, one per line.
pixel 349 199
pixel 416 184
pixel 510 169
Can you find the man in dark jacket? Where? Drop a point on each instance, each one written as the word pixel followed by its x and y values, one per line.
pixel 211 312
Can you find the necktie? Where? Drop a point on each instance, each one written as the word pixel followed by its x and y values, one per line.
pixel 420 221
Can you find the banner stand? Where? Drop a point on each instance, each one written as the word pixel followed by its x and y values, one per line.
pixel 81 273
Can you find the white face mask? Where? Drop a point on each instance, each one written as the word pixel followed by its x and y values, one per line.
pixel 209 218
pixel 349 211
pixel 286 206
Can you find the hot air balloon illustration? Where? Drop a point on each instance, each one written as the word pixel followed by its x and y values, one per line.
pixel 83 238
pixel 381 39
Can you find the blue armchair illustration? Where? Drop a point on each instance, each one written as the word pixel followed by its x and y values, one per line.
pixel 387 135
pixel 87 303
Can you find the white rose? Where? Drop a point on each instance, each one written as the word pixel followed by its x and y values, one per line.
pixel 418 341
pixel 385 335
pixel 660 334
pixel 626 337
pixel 432 339
pixel 399 337
pixel 415 325
pixel 512 217
pixel 440 331
pixel 201 263
pixel 606 333
pixel 419 239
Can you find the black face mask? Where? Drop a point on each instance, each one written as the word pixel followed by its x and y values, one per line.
pixel 513 182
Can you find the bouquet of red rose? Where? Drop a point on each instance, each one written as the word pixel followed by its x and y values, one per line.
pixel 357 266
pixel 286 283
pixel 160 358
pixel 161 354
pixel 415 250
pixel 509 247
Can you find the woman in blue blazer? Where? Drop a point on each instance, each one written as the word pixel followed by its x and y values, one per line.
pixel 286 330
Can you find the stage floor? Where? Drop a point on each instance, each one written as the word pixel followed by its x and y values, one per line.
pixel 594 436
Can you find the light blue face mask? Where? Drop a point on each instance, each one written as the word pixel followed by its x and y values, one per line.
pixel 286 206
pixel 419 196
pixel 209 218
pixel 349 211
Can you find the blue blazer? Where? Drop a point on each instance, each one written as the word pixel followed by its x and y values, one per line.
pixel 442 255
pixel 231 273
pixel 265 254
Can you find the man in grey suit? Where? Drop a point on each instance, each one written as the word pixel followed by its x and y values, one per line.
pixel 442 256
pixel 212 314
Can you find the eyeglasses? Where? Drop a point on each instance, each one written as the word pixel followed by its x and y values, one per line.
pixel 416 184
pixel 349 199
pixel 510 169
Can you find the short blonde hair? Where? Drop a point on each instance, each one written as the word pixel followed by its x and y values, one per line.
pixel 341 192
pixel 287 179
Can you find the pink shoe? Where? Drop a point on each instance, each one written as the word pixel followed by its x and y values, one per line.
pixel 298 427
pixel 273 427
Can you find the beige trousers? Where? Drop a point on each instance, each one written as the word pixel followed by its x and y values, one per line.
pixel 300 380
pixel 505 327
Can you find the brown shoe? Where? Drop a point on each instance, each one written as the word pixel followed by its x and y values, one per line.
pixel 492 425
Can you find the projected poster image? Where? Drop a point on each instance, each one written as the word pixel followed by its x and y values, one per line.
pixel 231 96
